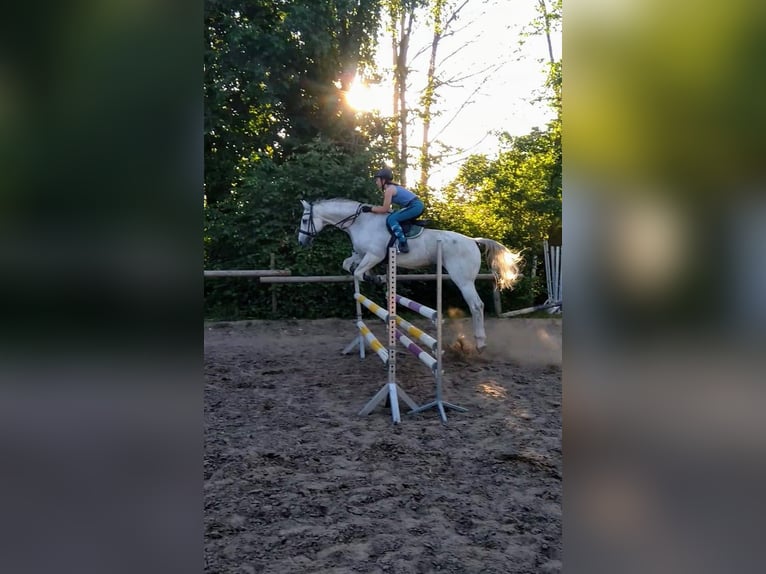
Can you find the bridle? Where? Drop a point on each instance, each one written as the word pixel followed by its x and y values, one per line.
pixel 312 232
pixel 343 224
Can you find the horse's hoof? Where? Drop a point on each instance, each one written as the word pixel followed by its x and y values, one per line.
pixel 373 279
pixel 480 347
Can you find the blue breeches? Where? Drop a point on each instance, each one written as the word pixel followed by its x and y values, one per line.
pixel 394 219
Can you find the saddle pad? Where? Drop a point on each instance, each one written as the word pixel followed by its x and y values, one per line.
pixel 412 231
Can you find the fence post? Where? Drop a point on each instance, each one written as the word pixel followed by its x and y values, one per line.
pixel 273 265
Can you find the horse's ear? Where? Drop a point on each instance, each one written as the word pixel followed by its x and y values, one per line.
pixel 305 204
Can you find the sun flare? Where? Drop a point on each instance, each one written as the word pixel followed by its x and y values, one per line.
pixel 367 98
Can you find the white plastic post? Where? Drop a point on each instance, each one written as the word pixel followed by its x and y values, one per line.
pixel 438 402
pixel 390 389
pixel 393 399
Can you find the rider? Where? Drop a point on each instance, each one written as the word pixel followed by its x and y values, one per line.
pixel 410 206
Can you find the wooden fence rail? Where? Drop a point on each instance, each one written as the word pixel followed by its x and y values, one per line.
pixel 247 272
pixel 283 276
pixel 350 278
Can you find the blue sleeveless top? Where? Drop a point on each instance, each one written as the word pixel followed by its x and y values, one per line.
pixel 403 196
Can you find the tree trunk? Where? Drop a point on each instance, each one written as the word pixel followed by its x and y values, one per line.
pixel 395 95
pixel 546 19
pixel 440 28
pixel 405 30
pixel 427 101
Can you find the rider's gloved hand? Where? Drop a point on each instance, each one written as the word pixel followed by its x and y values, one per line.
pixel 367 208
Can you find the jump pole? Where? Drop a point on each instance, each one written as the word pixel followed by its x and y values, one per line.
pixel 391 389
pixel 405 326
pixel 439 402
pixel 527 310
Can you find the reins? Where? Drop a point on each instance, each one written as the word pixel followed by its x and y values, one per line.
pixel 351 217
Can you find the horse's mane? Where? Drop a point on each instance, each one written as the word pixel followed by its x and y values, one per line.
pixel 337 200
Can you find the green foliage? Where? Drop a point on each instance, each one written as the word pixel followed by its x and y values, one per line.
pixel 261 218
pixel 277 130
pixel 271 73
pixel 514 198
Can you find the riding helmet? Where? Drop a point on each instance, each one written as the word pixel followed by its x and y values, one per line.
pixel 386 174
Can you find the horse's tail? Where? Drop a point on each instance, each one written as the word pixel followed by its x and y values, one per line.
pixel 504 263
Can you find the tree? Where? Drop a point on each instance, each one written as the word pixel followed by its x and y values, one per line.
pixel 278 129
pixel 428 95
pixel 442 17
pixel 274 75
pixel 547 20
pixel 515 197
pixel 401 15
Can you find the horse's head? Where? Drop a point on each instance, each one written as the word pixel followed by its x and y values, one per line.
pixel 311 224
pixel 339 212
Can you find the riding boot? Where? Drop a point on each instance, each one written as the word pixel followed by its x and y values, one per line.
pixel 397 229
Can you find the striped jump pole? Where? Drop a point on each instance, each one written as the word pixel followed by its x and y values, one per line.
pixel 403 324
pixel 425 358
pixel 420 335
pixel 427 312
pixel 372 306
pixel 372 340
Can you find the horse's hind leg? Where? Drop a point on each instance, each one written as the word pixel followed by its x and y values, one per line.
pixel 476 305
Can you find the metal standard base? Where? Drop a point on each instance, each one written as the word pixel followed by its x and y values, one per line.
pixel 440 405
pixel 355 344
pixel 393 392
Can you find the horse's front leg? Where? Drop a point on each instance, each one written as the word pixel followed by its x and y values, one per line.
pixel 351 263
pixel 369 261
